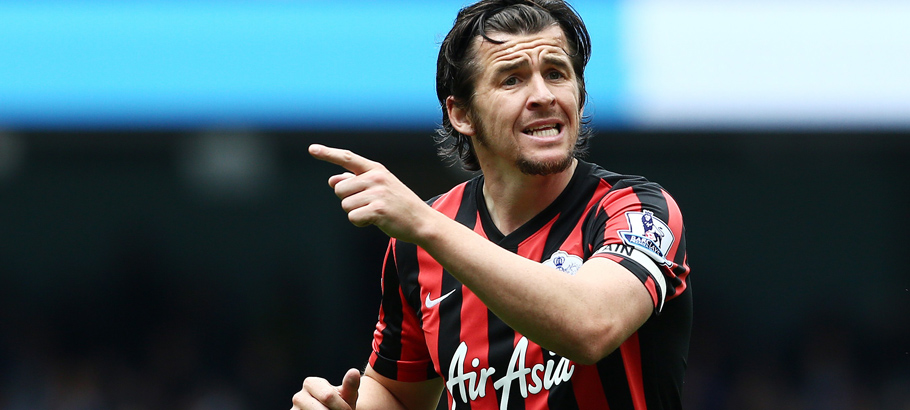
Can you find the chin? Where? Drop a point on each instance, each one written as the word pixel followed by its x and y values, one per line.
pixel 545 167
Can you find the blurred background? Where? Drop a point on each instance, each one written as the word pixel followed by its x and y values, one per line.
pixel 166 241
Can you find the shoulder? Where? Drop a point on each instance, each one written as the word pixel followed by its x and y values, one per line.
pixel 456 198
pixel 615 180
pixel 617 186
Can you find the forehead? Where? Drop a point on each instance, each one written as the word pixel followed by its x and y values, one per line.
pixel 550 41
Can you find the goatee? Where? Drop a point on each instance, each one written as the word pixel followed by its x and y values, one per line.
pixel 545 168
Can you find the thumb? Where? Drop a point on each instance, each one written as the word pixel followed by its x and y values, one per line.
pixel 349 387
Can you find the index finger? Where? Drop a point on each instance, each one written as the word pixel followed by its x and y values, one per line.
pixel 342 157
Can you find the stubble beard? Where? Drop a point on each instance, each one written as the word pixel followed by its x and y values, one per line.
pixel 528 166
pixel 541 168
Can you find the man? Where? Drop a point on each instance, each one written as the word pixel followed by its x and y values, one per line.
pixel 546 282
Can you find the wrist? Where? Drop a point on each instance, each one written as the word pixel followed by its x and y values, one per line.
pixel 428 228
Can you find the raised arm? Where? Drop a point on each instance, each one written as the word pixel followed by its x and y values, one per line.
pixel 582 317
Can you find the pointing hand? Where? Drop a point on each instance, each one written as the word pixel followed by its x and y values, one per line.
pixel 371 195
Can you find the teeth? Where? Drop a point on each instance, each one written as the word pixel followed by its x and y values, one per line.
pixel 545 131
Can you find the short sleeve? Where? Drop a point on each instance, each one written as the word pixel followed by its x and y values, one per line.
pixel 640 227
pixel 399 347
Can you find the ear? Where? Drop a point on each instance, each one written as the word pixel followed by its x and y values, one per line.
pixel 459 117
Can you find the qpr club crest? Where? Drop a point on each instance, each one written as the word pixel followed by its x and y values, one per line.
pixel 649 235
pixel 564 262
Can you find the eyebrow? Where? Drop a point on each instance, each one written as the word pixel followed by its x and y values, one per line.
pixel 509 67
pixel 554 60
pixel 557 61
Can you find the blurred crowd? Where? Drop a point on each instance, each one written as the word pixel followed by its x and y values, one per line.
pixel 188 364
pixel 121 289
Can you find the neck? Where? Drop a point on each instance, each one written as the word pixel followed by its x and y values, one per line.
pixel 514 198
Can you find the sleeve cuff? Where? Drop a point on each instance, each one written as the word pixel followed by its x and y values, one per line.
pixel 642 266
pixel 401 370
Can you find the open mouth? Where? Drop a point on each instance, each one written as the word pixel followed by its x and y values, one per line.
pixel 543 131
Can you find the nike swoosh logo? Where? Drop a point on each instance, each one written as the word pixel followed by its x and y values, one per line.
pixel 433 302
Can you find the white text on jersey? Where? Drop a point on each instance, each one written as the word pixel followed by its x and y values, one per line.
pixel 533 380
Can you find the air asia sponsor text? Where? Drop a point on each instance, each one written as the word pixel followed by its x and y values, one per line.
pixel 530 380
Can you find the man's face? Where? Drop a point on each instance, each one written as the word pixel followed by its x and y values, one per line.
pixel 525 112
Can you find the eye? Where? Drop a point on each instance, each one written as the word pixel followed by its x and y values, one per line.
pixel 555 75
pixel 510 81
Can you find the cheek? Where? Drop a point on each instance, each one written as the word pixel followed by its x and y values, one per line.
pixel 504 112
pixel 570 104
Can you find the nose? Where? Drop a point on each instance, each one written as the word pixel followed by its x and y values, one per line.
pixel 540 95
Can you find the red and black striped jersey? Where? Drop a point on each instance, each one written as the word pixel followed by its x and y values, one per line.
pixel 430 325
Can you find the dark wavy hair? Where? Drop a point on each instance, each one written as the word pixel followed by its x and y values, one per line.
pixel 456 68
